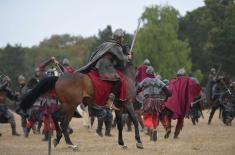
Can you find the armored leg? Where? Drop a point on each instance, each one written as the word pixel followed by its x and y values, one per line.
pixel 13 124
pixel 99 127
pixel 165 119
pixel 179 126
pixel 211 114
pixel 23 123
pixel 101 114
pixel 108 123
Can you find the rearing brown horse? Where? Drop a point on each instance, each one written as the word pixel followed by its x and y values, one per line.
pixel 74 89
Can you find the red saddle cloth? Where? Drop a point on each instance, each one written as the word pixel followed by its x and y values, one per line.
pixel 103 88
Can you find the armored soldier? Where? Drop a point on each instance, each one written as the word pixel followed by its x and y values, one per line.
pixel 217 92
pixel 152 88
pixel 36 114
pixel 66 67
pixel 140 76
pixel 184 90
pixel 106 59
pixel 23 90
pixel 211 81
pixel 51 104
pixel 228 99
pixel 6 116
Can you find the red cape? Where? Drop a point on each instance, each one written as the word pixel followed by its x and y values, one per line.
pixel 184 90
pixel 141 73
pixel 103 88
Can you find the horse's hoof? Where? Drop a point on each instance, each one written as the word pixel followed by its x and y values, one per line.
pixel 55 142
pixel 74 147
pixel 139 146
pixel 124 147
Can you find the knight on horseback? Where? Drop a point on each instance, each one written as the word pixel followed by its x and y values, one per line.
pixel 106 59
pixel 97 84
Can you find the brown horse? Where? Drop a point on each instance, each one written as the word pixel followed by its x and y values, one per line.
pixel 74 89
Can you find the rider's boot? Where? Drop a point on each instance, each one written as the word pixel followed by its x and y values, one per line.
pixel 110 103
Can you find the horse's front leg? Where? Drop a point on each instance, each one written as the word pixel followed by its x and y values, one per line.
pixel 120 128
pixel 131 113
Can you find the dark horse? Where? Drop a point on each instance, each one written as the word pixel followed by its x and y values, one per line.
pixel 74 89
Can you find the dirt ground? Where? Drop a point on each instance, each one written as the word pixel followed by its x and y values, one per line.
pixel 216 139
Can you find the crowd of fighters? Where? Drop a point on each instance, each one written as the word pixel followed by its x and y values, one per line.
pixel 151 105
pixel 41 111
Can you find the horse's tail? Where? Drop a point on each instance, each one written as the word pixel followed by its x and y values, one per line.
pixel 42 87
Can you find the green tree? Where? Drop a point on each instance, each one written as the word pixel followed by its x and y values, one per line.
pixel 158 41
pixel 12 62
pixel 222 34
pixel 210 31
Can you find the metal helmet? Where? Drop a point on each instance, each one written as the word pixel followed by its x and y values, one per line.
pixel 66 62
pixel 37 72
pixel 37 69
pixel 150 70
pixel 146 62
pixel 166 81
pixel 232 84
pixel 118 33
pixel 213 70
pixel 50 72
pixel 181 72
pixel 21 78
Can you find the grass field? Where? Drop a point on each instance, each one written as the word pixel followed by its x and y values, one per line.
pixel 216 139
